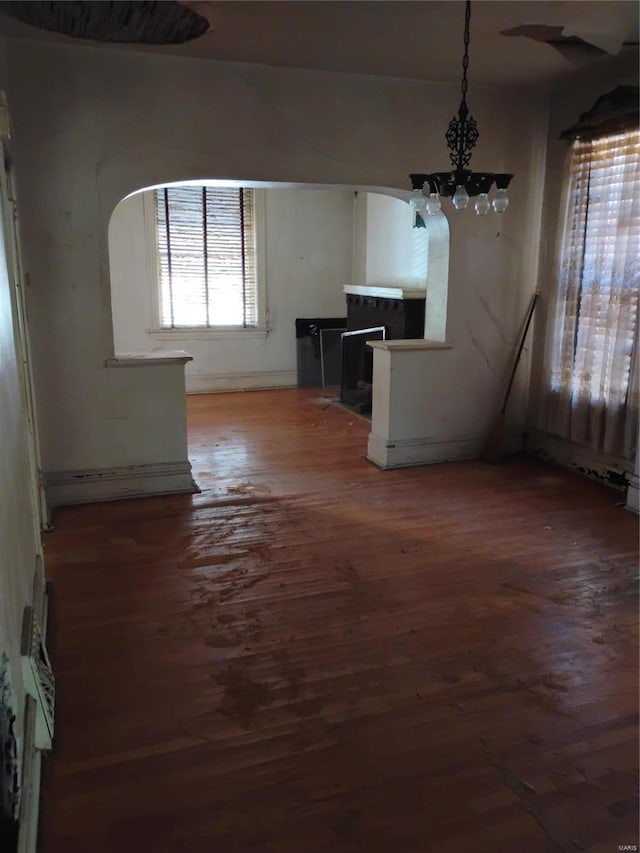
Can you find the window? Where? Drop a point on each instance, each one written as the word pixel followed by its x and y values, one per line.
pixel 596 313
pixel 207 271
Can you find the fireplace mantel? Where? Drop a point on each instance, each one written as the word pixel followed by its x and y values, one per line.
pixel 388 291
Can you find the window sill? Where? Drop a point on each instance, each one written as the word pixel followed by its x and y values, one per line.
pixel 206 334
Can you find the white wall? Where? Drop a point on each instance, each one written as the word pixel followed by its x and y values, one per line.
pixel 396 252
pixel 93 125
pixel 307 259
pixel 132 271
pixel 19 541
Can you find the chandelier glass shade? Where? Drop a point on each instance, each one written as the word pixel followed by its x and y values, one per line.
pixel 460 184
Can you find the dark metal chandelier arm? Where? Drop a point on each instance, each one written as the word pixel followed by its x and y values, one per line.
pixel 444 183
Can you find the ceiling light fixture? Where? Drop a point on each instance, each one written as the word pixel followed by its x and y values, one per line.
pixel 460 184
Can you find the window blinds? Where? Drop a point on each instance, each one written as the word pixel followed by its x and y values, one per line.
pixel 206 257
pixel 600 270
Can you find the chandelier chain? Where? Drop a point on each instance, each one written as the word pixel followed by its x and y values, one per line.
pixel 465 60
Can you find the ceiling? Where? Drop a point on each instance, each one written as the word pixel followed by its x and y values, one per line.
pixel 416 40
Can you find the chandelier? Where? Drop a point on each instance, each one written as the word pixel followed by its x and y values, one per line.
pixel 460 184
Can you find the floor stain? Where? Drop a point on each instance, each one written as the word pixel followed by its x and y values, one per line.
pixel 222 641
pixel 242 695
pixel 291 674
pixel 551 683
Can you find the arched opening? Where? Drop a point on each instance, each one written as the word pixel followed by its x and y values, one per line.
pixel 311 245
pixel 310 241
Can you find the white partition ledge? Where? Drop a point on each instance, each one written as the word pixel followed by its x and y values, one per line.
pixel 148 359
pixel 407 344
pixel 422 412
pixel 144 438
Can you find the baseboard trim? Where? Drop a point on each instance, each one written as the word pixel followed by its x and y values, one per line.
pixel 611 470
pixel 210 383
pixel 386 453
pixel 106 484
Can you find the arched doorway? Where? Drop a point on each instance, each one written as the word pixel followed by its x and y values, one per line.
pixel 310 241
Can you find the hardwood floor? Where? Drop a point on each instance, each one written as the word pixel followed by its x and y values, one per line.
pixel 315 655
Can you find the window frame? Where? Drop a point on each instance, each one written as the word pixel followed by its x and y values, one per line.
pixel 602 425
pixel 565 246
pixel 160 333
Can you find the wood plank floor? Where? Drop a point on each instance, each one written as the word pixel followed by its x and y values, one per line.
pixel 315 655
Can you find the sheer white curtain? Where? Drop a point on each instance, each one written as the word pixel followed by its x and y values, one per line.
pixel 591 381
